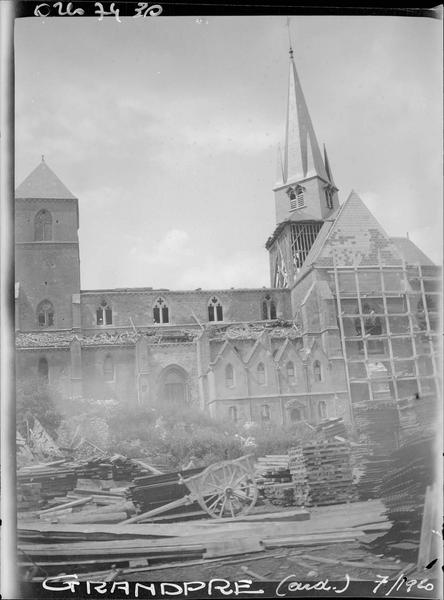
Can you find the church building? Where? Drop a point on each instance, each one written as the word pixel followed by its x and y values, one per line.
pixel 349 322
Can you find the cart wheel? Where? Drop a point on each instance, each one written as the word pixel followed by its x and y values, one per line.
pixel 227 490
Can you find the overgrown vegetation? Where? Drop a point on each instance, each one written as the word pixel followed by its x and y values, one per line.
pixel 37 400
pixel 166 434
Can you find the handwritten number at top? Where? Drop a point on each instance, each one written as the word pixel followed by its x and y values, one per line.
pixel 143 9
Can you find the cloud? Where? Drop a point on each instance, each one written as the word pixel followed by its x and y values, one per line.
pixel 173 247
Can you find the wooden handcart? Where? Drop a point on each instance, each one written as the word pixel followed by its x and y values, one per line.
pixel 225 489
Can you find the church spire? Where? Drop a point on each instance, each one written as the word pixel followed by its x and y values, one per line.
pixel 302 156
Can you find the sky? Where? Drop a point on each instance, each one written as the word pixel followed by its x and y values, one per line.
pixel 167 128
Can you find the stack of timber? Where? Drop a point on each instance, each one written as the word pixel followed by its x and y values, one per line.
pixel 298 475
pixel 274 479
pixel 127 469
pixel 54 480
pixel 380 424
pixel 94 468
pixel 29 496
pixel 375 468
pixel 150 492
pixel 273 467
pixel 403 491
pixel 47 483
pixel 427 408
pixel 329 472
pixel 332 427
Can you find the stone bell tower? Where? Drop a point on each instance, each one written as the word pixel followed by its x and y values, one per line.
pixel 305 194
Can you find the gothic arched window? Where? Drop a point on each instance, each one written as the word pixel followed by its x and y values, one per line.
pixel 215 310
pixel 104 314
pixel 43 226
pixel 265 413
pixel 317 371
pixel 290 372
pixel 322 409
pixel 261 373
pixel 161 313
pixel 268 308
pixel 229 375
pixel 232 412
pixel 45 314
pixel 43 369
pixel 108 368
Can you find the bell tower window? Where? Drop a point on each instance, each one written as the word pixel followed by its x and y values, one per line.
pixel 104 314
pixel 43 226
pixel 215 310
pixel 329 197
pixel 296 196
pixel 161 313
pixel 303 236
pixel 45 314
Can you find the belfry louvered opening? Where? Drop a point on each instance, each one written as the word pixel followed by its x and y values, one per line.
pixel 302 237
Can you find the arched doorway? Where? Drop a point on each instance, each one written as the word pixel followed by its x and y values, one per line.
pixel 173 387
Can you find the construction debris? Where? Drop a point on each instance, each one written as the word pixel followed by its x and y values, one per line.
pixel 403 491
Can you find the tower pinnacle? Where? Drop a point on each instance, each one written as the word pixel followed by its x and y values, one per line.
pixel 302 155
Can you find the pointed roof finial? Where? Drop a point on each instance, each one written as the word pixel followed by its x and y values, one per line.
pixel 43 158
pixel 289 39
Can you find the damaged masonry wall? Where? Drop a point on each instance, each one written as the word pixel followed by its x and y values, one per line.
pixel 267 372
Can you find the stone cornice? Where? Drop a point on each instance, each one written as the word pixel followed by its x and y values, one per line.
pixel 169 292
pixel 19 199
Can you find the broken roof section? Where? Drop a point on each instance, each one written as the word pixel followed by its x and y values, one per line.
pixel 353 237
pixel 43 183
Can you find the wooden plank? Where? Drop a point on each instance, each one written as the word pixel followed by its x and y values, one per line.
pixel 299 514
pixel 96 517
pixel 349 563
pixel 311 540
pixel 174 565
pixel 231 546
pixel 146 466
pixel 67 505
pixel 252 574
pixel 158 511
pixel 428 524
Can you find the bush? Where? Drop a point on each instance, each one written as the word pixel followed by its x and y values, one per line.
pixel 36 399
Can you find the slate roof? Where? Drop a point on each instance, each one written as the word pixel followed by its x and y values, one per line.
pixel 410 252
pixel 43 183
pixel 351 236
